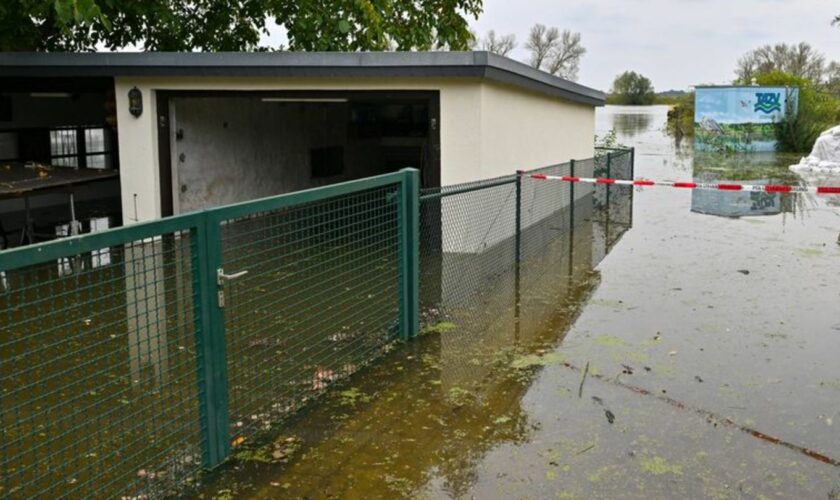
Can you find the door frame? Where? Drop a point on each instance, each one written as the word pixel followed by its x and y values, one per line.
pixel 430 176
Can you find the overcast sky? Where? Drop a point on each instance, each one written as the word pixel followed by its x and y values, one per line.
pixel 676 43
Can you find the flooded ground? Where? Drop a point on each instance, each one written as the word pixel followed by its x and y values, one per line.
pixel 698 358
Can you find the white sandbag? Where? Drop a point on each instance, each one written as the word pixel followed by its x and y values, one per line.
pixel 825 156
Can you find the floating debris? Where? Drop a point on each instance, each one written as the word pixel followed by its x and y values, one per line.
pixel 322 378
pixel 531 360
pixel 658 466
pixel 440 327
pixel 583 380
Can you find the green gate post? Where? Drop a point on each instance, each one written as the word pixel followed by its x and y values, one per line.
pixel 519 174
pixel 572 194
pixel 409 218
pixel 210 343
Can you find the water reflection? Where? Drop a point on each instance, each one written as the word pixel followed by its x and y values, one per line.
pixel 632 124
pixel 740 203
pixel 443 402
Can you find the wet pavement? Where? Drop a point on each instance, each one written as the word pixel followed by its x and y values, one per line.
pixel 699 358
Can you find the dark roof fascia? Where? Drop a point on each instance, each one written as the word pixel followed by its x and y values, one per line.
pixel 297 65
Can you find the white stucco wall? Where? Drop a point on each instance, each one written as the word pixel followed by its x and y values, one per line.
pixel 486 129
pixel 523 130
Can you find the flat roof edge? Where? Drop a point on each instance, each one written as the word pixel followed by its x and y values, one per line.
pixel 297 64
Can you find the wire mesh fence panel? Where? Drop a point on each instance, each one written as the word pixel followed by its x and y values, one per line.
pixel 613 203
pixel 547 208
pixel 319 301
pixel 467 240
pixel 98 389
pixel 467 262
pixel 133 357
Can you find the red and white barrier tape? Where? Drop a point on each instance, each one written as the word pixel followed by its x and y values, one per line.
pixel 764 188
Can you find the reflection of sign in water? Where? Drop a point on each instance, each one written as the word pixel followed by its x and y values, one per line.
pixel 767 102
pixel 736 203
pixel 740 119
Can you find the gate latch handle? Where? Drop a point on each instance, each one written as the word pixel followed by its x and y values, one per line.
pixel 221 276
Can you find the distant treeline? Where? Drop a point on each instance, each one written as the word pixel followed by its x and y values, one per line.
pixel 669 97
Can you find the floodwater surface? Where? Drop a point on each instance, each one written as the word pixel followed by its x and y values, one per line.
pixel 696 355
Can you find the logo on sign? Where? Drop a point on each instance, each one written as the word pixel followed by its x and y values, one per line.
pixel 767 102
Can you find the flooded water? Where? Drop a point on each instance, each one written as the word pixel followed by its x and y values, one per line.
pixel 695 355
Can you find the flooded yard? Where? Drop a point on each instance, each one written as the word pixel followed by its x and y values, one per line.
pixel 693 355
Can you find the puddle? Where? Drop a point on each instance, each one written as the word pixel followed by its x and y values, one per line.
pixel 697 359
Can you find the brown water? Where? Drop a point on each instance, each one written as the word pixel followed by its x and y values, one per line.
pixel 699 358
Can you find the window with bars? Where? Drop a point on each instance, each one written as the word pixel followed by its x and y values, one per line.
pixel 87 147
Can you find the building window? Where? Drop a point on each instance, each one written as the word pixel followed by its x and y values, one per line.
pixel 63 148
pixel 95 148
pixel 80 147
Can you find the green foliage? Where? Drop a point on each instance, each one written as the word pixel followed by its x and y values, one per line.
pixel 681 116
pixel 442 327
pixel 632 88
pixel 818 111
pixel 669 100
pixel 609 140
pixel 235 25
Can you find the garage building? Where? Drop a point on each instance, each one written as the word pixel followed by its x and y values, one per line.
pixel 187 131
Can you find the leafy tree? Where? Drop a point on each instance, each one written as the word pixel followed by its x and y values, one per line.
pixel 817 111
pixel 501 45
pixel 554 51
pixel 800 60
pixel 832 78
pixel 681 117
pixel 632 88
pixel 81 25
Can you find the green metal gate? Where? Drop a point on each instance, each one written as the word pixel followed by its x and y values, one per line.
pixel 131 359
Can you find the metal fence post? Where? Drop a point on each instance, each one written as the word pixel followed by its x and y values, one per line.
pixel 572 194
pixel 632 177
pixel 519 174
pixel 409 218
pixel 210 343
pixel 609 176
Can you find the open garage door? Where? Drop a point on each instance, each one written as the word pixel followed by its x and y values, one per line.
pixel 226 147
